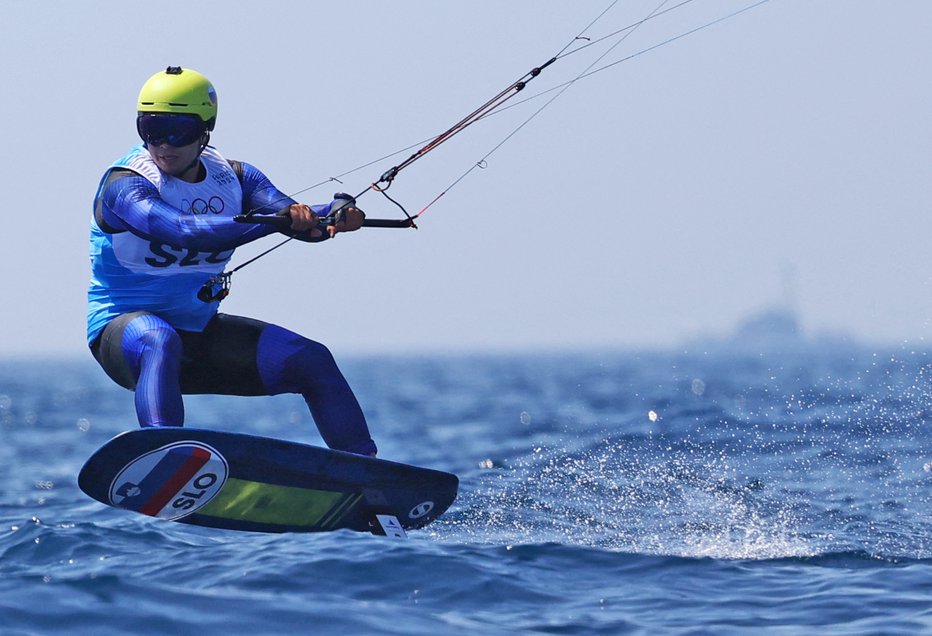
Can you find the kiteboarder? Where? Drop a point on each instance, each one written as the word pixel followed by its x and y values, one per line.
pixel 162 231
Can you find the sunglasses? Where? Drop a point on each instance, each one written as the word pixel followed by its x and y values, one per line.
pixel 175 130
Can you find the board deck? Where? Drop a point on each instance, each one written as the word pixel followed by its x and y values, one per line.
pixel 246 482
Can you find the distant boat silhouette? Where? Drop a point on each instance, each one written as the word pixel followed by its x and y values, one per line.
pixel 771 326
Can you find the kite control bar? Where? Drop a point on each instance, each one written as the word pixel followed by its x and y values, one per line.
pixel 283 218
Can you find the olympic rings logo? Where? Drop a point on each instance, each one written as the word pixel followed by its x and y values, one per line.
pixel 214 205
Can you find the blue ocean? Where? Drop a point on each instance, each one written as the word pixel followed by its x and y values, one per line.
pixel 701 491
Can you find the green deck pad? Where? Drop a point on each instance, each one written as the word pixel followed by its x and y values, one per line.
pixel 280 505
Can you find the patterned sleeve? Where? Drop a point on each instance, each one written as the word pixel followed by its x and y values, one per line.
pixel 261 197
pixel 132 203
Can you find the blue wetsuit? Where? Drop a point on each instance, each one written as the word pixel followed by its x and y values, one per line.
pixel 155 240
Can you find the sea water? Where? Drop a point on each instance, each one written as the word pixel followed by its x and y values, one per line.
pixel 696 492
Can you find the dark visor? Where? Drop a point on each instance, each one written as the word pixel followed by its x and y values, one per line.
pixel 176 130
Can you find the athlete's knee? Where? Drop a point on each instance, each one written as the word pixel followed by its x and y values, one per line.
pixel 127 338
pixel 316 367
pixel 292 363
pixel 150 341
pixel 158 339
pixel 314 355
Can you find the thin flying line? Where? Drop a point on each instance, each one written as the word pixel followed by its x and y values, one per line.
pixel 589 26
pixel 561 88
pixel 545 105
pixel 630 57
pixel 630 26
pixel 495 108
pixel 675 38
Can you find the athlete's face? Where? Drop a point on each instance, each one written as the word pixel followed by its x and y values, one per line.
pixel 178 161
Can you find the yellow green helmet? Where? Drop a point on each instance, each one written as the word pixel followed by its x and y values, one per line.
pixel 180 90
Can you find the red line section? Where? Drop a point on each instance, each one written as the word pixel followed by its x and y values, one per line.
pixel 176 482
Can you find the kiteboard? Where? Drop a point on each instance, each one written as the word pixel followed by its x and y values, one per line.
pixel 246 482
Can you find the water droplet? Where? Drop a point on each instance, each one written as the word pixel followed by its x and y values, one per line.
pixel 525 418
pixel 652 416
pixel 84 425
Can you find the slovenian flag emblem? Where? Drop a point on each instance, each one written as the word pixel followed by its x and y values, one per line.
pixel 170 482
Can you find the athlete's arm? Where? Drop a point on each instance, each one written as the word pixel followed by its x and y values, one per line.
pixel 132 203
pixel 261 197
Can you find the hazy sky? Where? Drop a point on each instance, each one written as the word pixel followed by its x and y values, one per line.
pixel 665 198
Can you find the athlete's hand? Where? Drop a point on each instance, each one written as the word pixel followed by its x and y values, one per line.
pixel 348 220
pixel 303 219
